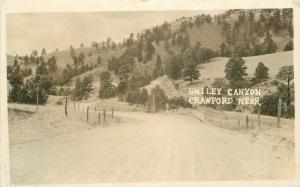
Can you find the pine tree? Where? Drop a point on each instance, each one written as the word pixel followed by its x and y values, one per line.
pixel 235 69
pixel 269 45
pixel 173 68
pixel 289 46
pixel 107 90
pixel 52 66
pixel 15 79
pixel 43 52
pixel 286 75
pixel 190 72
pixel 261 73
pixel 41 69
pixel 158 69
pixel 122 87
pixel 72 52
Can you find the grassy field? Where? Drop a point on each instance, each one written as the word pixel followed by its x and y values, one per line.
pixel 215 68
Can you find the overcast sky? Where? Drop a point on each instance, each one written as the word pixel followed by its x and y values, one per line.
pixel 29 31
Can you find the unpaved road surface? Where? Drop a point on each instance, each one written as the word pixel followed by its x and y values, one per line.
pixel 148 148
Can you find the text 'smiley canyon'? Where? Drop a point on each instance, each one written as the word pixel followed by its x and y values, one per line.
pixel 222 96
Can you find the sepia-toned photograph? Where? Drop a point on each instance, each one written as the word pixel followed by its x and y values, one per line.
pixel 150 96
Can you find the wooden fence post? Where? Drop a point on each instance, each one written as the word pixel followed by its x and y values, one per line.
pixel 87 114
pixel 279 113
pixel 99 118
pixel 37 98
pixel 104 116
pixel 112 112
pixel 66 107
pixel 239 122
pixel 259 108
pixel 247 120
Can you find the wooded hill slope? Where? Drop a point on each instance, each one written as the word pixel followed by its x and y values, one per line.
pixel 173 50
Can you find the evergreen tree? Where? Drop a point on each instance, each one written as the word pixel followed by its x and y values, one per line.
pixel 224 50
pixel 261 73
pixel 81 58
pixel 99 60
pixel 52 66
pixel 235 69
pixel 113 65
pixel 41 69
pixel 107 90
pixel 15 79
pixel 289 46
pixel 43 53
pixel 122 87
pixel 72 52
pixel 173 68
pixel 87 86
pixel 158 69
pixel 149 50
pixel 269 45
pixel 190 72
pixel 76 94
pixel 286 76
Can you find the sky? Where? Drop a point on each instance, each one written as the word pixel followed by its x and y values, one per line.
pixel 34 31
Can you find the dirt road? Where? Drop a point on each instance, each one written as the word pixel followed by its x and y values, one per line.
pixel 145 148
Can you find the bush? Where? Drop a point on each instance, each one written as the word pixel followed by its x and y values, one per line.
pixel 178 102
pixel 269 104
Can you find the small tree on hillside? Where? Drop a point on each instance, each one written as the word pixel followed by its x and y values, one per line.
pixel 269 45
pixel 87 85
pixel 191 72
pixel 235 70
pixel 173 68
pixel 52 66
pixel 158 69
pixel 41 69
pixel 99 60
pixel 289 46
pixel 72 51
pixel 107 90
pixel 43 52
pixel 122 87
pixel 286 75
pixel 76 93
pixel 15 79
pixel 149 50
pixel 261 73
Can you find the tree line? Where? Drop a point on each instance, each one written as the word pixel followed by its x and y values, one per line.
pixel 236 77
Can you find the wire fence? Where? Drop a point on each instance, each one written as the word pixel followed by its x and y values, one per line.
pixel 98 113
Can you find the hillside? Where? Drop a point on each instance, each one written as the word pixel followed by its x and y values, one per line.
pixel 274 62
pixel 64 57
pixel 215 69
pixel 209 35
pixel 144 59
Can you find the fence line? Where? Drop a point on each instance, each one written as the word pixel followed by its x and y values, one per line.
pixel 102 113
